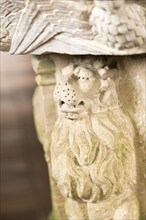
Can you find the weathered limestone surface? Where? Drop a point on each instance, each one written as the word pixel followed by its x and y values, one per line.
pixel 96 156
pixel 94 136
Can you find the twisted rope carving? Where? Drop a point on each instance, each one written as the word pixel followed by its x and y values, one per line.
pixel 117 24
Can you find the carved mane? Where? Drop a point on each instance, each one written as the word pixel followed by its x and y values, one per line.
pixel 88 166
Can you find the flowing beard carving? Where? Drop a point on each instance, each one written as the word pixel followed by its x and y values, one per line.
pixel 91 157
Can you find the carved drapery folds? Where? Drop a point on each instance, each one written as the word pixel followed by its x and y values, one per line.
pixel 94 136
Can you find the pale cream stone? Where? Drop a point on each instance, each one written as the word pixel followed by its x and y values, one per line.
pixel 122 29
pixel 121 39
pixel 113 29
pixel 82 131
pixel 115 20
pixel 130 36
pixel 94 136
pixel 39 27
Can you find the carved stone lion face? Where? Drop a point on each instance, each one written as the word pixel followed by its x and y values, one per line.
pixel 90 152
pixel 81 89
pixel 73 94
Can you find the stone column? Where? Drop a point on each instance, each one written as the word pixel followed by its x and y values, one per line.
pixel 45 117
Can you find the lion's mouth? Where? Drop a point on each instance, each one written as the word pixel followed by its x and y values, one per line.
pixel 71 116
pixel 72 112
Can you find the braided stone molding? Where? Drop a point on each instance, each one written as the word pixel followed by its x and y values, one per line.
pixel 119 24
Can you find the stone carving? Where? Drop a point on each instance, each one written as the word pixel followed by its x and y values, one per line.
pixel 118 23
pixel 76 27
pixel 96 155
pixel 93 152
pixel 100 87
pixel 10 13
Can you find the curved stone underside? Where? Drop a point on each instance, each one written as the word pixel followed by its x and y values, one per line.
pixel 74 27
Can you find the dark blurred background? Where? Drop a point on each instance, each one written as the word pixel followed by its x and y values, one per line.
pixel 24 184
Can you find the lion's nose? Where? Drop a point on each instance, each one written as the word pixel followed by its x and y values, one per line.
pixel 81 103
pixel 61 103
pixel 66 94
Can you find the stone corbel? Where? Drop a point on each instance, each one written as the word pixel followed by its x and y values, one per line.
pixel 95 151
pixel 89 106
pixel 94 118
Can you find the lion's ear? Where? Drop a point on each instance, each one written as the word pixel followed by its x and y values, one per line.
pixel 77 70
pixel 68 70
